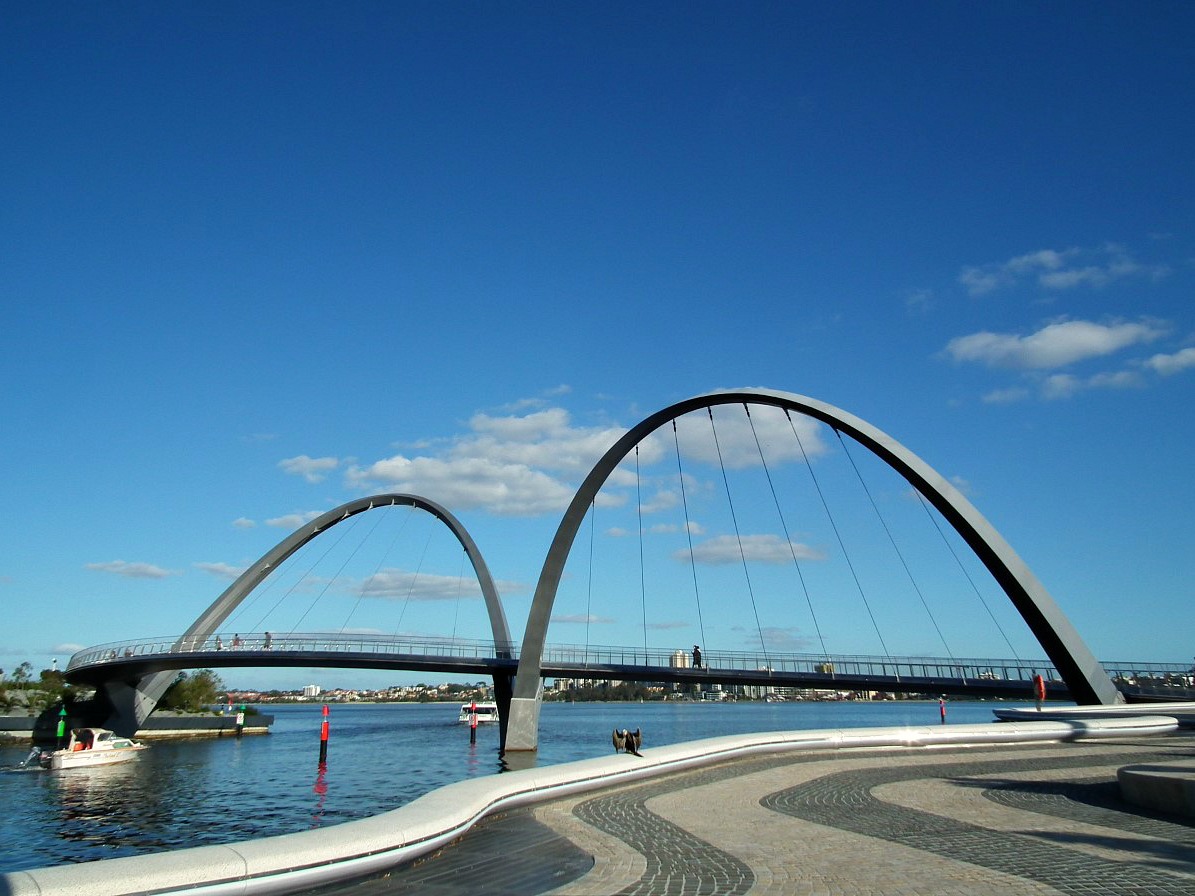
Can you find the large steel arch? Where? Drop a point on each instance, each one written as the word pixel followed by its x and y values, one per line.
pixel 1080 670
pixel 133 701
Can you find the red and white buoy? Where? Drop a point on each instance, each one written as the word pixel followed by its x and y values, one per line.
pixel 323 739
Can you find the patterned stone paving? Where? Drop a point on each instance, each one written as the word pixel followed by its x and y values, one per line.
pixel 845 801
pixel 1033 820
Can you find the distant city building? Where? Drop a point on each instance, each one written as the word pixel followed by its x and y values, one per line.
pixel 312 690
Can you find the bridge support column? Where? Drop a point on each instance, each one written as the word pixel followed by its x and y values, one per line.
pixel 131 704
pixel 523 728
pixel 503 689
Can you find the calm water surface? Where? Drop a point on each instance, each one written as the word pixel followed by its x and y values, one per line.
pixel 201 792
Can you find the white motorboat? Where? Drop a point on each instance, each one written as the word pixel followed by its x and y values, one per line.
pixel 486 712
pixel 91 747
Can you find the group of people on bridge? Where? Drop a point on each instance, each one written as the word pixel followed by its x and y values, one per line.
pixel 238 643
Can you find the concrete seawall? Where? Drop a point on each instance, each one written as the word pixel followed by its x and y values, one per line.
pixel 300 861
pixel 158 726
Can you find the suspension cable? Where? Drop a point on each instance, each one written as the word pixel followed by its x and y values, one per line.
pixel 378 568
pixel 739 538
pixel 895 547
pixel 837 534
pixel 347 560
pixel 310 569
pixel 589 594
pixel 787 537
pixel 414 579
pixel 642 573
pixel 967 575
pixel 680 474
pixel 460 583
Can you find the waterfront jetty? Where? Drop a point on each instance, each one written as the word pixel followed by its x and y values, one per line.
pixel 161 725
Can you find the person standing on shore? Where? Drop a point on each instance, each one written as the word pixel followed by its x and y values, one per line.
pixel 1039 690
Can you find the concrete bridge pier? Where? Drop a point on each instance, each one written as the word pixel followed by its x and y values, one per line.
pixel 130 703
pixel 522 728
pixel 503 689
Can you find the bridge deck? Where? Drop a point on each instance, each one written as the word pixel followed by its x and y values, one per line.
pixel 981 678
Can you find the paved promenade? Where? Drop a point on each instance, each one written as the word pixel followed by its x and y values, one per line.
pixel 1034 819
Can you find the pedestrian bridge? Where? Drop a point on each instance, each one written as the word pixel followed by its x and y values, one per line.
pixel 754 672
pixel 662 462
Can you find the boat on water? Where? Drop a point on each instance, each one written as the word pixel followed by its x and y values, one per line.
pixel 90 747
pixel 486 712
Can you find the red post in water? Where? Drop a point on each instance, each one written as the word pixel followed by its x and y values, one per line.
pixel 323 738
pixel 473 722
pixel 942 709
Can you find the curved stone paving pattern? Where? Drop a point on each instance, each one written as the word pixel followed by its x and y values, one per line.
pixel 844 800
pixel 1095 802
pixel 847 840
pixel 678 863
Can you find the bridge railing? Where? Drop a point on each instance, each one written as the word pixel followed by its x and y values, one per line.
pixel 1147 678
pixel 832 665
pixel 311 642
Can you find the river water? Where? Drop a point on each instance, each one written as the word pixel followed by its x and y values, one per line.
pixel 207 791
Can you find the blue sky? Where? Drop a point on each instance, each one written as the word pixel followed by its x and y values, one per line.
pixel 262 259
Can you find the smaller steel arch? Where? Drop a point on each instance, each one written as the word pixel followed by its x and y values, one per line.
pixel 223 606
pixel 1083 674
pixel 134 701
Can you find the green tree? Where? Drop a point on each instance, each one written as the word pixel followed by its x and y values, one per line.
pixel 22 675
pixel 193 693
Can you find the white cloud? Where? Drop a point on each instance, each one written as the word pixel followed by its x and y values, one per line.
pixel 669 626
pixel 1059 270
pixel 1055 345
pixel 400 584
pixel 1063 385
pixel 221 570
pixel 1168 365
pixel 785 639
pixel 583 619
pixel 313 469
pixel 293 520
pixel 919 300
pixel 465 483
pixel 724 549
pixel 243 523
pixel 531 464
pixel 67 647
pixel 1006 396
pixel 131 570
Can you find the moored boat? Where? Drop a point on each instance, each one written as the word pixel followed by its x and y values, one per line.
pixel 91 747
pixel 486 712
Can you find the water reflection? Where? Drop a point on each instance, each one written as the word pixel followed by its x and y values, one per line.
pixel 321 790
pixel 197 792
pixel 93 794
pixel 517 760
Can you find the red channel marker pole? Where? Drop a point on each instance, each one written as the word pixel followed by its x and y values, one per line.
pixel 323 739
pixel 473 722
pixel 942 709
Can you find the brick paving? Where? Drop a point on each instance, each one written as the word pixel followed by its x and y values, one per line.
pixel 1034 820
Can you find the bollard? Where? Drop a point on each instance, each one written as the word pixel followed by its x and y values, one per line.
pixel 323 739
pixel 240 719
pixel 942 708
pixel 473 722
